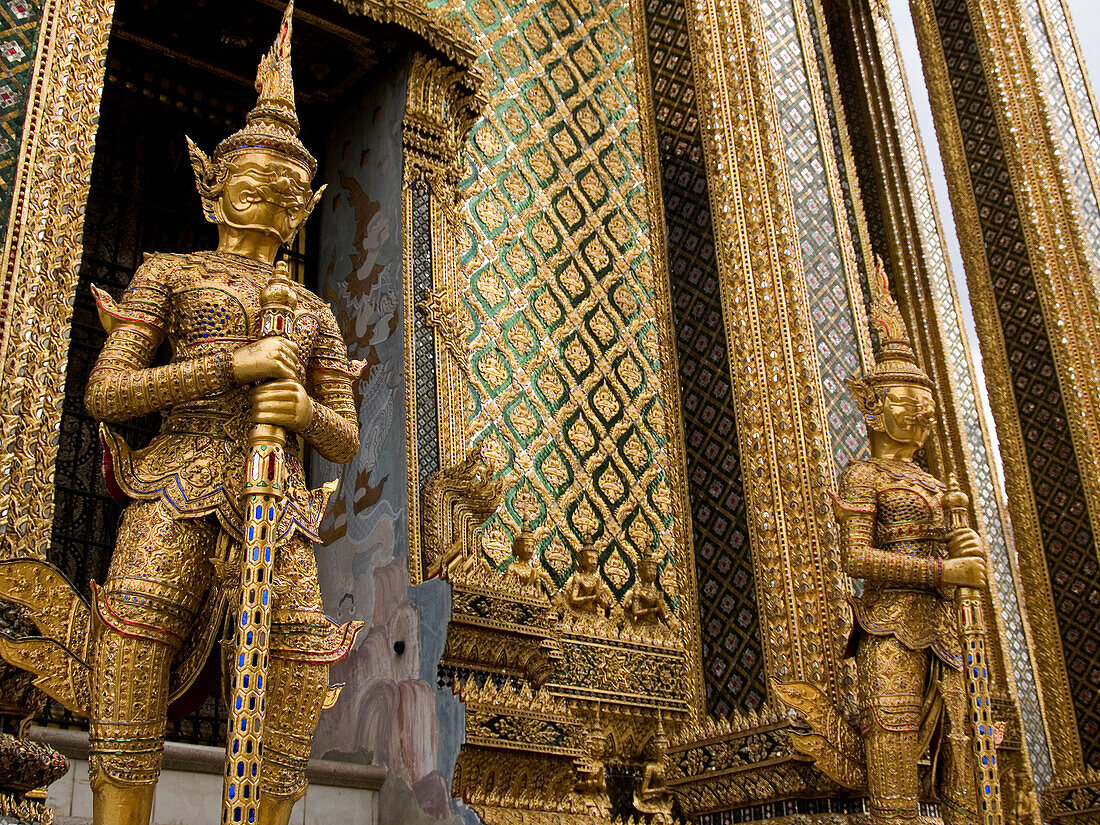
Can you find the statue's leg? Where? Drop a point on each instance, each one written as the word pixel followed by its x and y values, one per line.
pixel 958 792
pixel 891 679
pixel 158 574
pixel 297 684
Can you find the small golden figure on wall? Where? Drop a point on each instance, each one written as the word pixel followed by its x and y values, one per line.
pixel 644 603
pixel 653 798
pixel 586 591
pixel 525 568
pixel 218 519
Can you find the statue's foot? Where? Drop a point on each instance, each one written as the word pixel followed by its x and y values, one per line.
pixel 274 811
pixel 114 804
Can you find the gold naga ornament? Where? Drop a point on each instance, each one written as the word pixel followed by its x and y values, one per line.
pixel 903 532
pixel 219 526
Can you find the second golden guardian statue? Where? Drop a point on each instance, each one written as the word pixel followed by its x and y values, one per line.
pixel 258 366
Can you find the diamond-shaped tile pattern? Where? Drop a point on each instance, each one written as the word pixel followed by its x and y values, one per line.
pixel 1063 516
pixel 18 42
pixel 1065 87
pixel 732 658
pixel 566 357
pixel 427 412
pixel 816 218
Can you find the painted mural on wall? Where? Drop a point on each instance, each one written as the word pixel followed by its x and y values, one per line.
pixel 387 713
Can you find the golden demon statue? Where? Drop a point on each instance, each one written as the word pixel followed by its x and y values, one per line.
pixel 258 364
pixel 896 535
pixel 918 633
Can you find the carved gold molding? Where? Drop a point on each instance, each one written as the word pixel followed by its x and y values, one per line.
pixel 780 411
pixel 443 102
pixel 420 18
pixel 42 248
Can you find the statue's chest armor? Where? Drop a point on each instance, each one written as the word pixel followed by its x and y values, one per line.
pixel 909 507
pixel 213 310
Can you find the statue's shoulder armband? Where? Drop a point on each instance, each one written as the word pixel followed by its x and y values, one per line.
pixel 145 299
pixel 329 350
pixel 858 482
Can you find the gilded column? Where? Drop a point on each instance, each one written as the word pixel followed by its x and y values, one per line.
pixel 1032 276
pixel 786 460
pixel 41 250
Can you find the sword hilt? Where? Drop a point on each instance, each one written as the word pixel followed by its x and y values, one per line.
pixel 972 635
pixel 264 487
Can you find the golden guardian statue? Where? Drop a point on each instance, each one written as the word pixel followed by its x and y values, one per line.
pixel 895 535
pixel 903 535
pixel 258 366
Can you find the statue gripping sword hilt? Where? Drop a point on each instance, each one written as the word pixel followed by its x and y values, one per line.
pixel 219 525
pixel 262 493
pixel 972 636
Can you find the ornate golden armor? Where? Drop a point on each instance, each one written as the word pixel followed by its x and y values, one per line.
pixel 154 622
pixel 892 536
pixel 895 536
pixel 901 535
pixel 904 638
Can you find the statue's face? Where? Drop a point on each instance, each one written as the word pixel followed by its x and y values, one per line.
pixel 523 548
pixel 908 413
pixel 266 192
pixel 587 559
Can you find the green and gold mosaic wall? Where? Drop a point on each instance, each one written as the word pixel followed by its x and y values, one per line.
pixel 19 21
pixel 567 360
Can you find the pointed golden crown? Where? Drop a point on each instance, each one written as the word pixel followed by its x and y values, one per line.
pixel 896 360
pixel 273 122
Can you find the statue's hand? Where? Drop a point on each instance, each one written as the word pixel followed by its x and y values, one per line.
pixel 964 542
pixel 965 572
pixel 284 403
pixel 264 359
